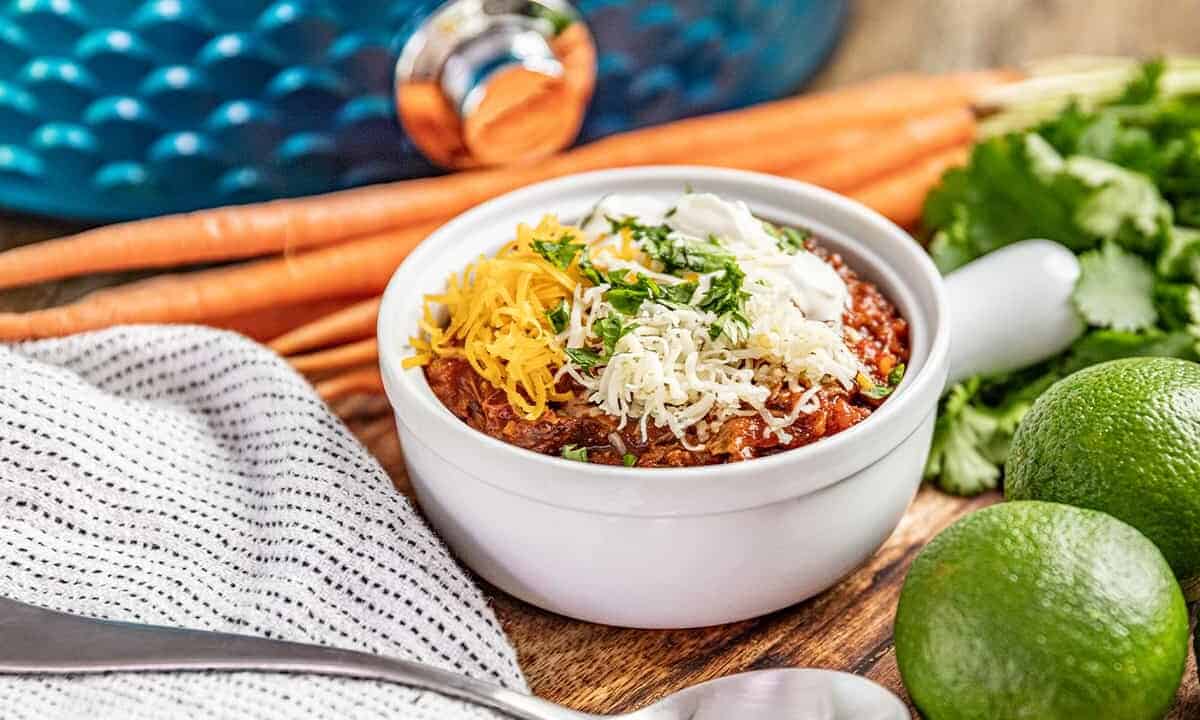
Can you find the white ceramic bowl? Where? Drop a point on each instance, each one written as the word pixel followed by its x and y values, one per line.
pixel 687 547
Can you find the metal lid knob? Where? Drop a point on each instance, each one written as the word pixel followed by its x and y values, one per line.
pixel 494 82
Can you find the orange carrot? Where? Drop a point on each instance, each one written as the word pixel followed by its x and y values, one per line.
pixel 777 157
pixel 169 241
pixel 338 358
pixel 352 323
pixel 262 325
pixel 892 150
pixel 901 195
pixel 347 270
pixel 775 136
pixel 242 231
pixel 365 381
pixel 247 230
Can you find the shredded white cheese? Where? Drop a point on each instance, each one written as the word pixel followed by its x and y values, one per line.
pixel 670 371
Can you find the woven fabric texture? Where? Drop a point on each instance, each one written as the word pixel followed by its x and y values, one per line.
pixel 185 476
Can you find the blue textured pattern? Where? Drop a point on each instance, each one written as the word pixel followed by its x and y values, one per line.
pixel 117 108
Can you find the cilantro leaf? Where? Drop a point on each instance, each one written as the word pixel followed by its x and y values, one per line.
pixel 724 298
pixel 575 452
pixel 733 325
pixel 626 300
pixel 585 358
pixel 677 294
pixel 560 253
pixel 1006 193
pixel 1115 289
pixel 1178 304
pixel 629 460
pixel 1103 345
pixel 1121 205
pixel 1180 257
pixel 788 239
pixel 957 458
pixel 559 316
pixel 589 271
pixel 627 296
pixel 1019 186
pixel 676 253
pixel 727 299
pixel 611 329
pixel 879 392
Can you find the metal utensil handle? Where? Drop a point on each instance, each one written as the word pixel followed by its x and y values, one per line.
pixel 35 640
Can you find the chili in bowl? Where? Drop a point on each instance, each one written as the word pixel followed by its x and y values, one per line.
pixel 661 335
pixel 640 405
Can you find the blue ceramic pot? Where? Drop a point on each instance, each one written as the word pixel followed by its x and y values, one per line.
pixel 114 109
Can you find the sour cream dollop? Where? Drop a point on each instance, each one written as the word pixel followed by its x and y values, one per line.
pixel 815 286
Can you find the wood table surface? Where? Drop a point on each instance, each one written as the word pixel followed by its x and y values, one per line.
pixel 602 669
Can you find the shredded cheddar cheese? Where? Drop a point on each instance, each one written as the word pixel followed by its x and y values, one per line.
pixel 497 319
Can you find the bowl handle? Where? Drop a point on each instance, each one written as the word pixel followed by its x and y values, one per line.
pixel 1012 308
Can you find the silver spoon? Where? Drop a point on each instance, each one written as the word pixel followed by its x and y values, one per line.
pixel 34 640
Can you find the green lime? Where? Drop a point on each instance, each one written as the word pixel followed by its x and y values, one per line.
pixel 1122 437
pixel 1041 611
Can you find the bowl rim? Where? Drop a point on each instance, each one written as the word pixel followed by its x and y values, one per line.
pixel 915 397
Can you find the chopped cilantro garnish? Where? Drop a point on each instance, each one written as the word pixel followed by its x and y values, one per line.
pixel 790 240
pixel 611 329
pixel 727 299
pixel 585 358
pixel 629 460
pixel 732 325
pixel 560 253
pixel 876 391
pixel 683 255
pixel 574 452
pixel 879 392
pixel 589 271
pixel 627 295
pixel 674 252
pixel 678 294
pixel 559 316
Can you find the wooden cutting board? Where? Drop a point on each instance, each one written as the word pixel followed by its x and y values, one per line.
pixel 602 669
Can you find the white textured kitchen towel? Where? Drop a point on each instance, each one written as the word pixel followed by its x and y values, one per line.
pixel 186 476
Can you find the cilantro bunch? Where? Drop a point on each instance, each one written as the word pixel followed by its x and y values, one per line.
pixel 1118 182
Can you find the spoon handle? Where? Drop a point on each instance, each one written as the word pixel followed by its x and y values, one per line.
pixel 38 641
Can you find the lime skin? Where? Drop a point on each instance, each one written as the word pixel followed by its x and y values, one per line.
pixel 1122 437
pixel 1041 611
